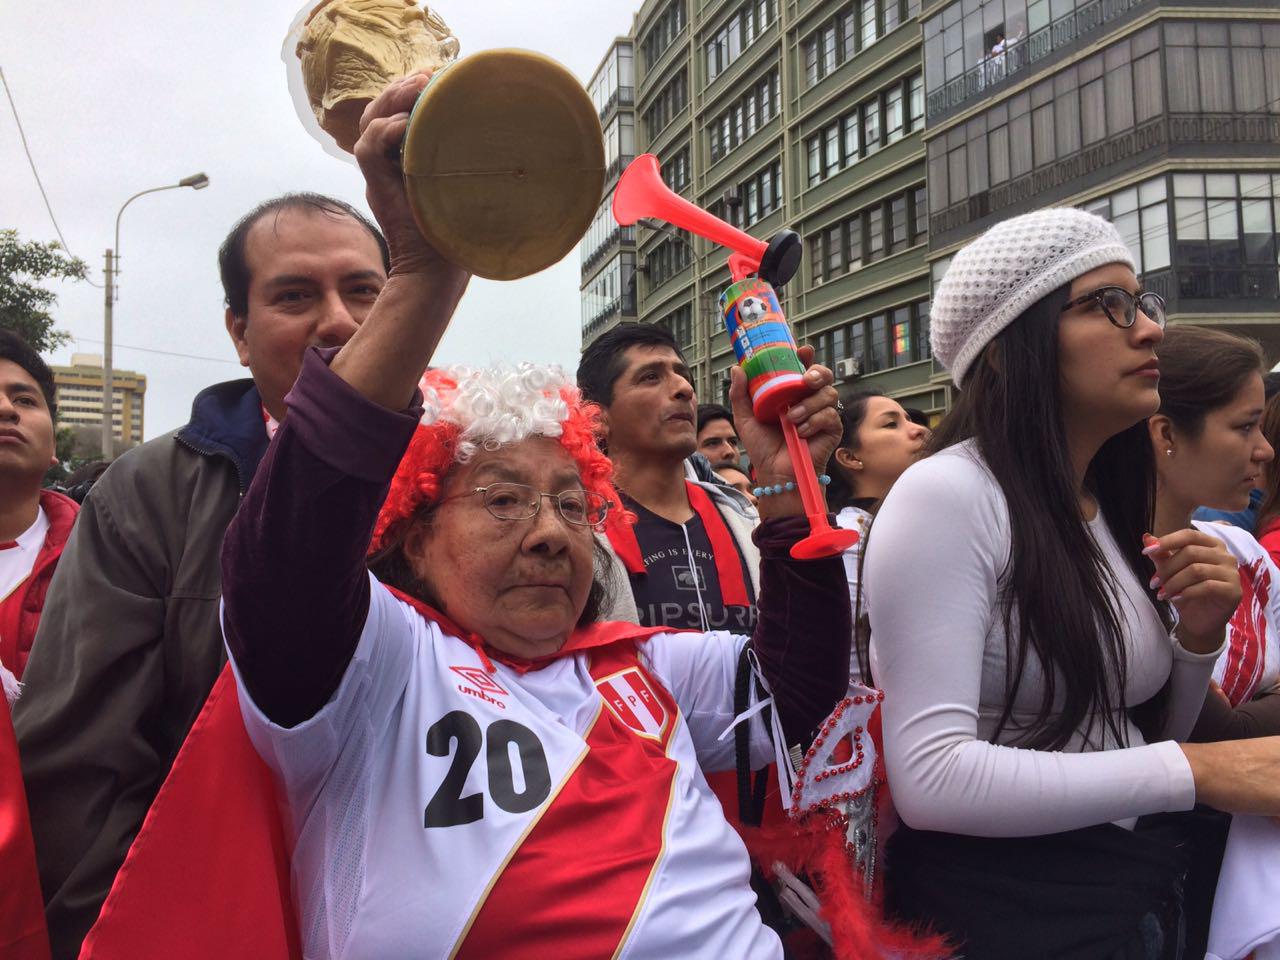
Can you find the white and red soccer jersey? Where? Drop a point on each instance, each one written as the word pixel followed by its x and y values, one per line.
pixel 1250 662
pixel 439 810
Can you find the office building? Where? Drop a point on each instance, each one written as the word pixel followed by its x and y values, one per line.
pixel 890 132
pixel 79 396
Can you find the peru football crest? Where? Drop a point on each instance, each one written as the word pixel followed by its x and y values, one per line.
pixel 629 697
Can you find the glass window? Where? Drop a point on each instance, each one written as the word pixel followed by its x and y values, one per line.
pixel 851 130
pixel 1184 88
pixel 869 26
pixel 1215 79
pixel 1019 136
pixel 1042 134
pixel 901 334
pixel 923 348
pixel 831 160
pixel 829 49
pixel 1119 84
pixel 957 174
pixel 835 251
pixel 998 154
pixel 1249 81
pixel 817 259
pixel 1148 91
pixel 919 215
pixel 894 118
pixel 899 235
pixel 858 344
pixel 811 61
pixel 892 15
pixel 1258 235
pixel 875 233
pixel 917 102
pixel 878 336
pixel 813 153
pixel 871 126
pixel 853 240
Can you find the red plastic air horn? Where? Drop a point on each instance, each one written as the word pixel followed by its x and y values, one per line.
pixel 761 337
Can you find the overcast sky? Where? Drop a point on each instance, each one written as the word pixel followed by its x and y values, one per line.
pixel 117 97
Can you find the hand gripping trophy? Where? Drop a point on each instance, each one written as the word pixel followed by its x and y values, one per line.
pixel 503 158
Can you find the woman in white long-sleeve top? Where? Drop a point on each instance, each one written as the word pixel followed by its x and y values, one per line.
pixel 1035 693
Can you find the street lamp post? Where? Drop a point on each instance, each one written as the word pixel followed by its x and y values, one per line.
pixel 110 271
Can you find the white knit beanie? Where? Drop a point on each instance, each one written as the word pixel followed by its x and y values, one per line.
pixel 995 278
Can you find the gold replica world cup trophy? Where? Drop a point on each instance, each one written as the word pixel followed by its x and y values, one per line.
pixel 503 158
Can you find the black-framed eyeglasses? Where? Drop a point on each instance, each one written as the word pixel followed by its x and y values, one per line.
pixel 518 501
pixel 1121 306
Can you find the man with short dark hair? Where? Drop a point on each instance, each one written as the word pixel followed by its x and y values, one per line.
pixel 130 643
pixel 717 436
pixel 689 556
pixel 34 523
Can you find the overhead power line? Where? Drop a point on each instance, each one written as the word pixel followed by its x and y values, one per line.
pixel 164 353
pixel 26 148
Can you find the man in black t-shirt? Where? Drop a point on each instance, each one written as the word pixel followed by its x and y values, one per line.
pixel 689 556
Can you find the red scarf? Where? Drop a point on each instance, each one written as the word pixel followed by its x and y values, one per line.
pixel 733 586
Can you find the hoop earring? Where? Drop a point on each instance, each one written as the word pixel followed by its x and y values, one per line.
pixel 1169 452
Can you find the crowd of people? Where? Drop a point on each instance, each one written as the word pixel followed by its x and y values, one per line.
pixel 378 658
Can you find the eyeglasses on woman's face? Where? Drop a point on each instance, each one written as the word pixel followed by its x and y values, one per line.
pixel 518 501
pixel 1121 307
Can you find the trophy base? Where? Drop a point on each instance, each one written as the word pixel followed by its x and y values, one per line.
pixel 504 163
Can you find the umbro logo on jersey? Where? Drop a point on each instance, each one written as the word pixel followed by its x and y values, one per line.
pixel 480 685
pixel 630 698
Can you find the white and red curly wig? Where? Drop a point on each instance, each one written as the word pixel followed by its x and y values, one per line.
pixel 467 409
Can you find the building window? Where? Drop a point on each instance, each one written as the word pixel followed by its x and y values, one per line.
pixel 744 117
pixel 1206 75
pixel 679 323
pixel 663 32
pixel 612 291
pixel 668 258
pixel 1225 228
pixel 668 103
pixel 858 133
pixel 867 235
pixel 878 338
pixel 901 337
pixel 738 32
pixel 675 172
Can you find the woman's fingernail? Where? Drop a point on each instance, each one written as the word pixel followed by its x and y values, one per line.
pixel 1153 548
pixel 1155 582
pixel 1161 596
pixel 1176 600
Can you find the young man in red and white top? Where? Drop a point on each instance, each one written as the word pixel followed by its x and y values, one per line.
pixel 34 522
pixel 34 525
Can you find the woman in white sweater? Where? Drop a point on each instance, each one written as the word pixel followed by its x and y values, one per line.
pixel 1035 685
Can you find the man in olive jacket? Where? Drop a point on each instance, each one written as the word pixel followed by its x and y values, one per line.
pixel 130 643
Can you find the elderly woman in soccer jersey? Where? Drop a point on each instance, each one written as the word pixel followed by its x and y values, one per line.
pixel 475 765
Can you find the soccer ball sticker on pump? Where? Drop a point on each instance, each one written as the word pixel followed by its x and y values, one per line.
pixel 764 346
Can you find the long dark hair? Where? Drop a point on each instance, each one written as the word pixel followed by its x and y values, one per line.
pixel 840 492
pixel 1056 599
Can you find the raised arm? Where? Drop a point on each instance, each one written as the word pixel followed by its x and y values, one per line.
pixel 295 587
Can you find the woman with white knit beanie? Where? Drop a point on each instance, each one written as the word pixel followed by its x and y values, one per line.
pixel 1035 701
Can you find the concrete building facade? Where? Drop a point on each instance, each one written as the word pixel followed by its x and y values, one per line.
pixel 890 132
pixel 79 394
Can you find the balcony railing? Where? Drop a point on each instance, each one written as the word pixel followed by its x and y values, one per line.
pixel 1156 137
pixel 1018 55
pixel 617 235
pixel 621 97
pixel 619 164
pixel 1183 283
pixel 624 305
